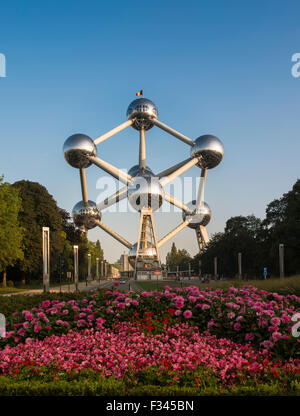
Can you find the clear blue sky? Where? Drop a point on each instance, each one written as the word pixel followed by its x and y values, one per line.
pixel 219 67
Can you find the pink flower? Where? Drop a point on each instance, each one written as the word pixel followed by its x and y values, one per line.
pixel 37 328
pixel 249 336
pixel 187 314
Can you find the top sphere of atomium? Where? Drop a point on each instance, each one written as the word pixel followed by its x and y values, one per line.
pixel 77 148
pixel 209 149
pixel 86 214
pixel 142 111
pixel 197 218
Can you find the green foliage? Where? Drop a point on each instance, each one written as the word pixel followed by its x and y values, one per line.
pixel 258 241
pixel 38 210
pixel 178 258
pixel 11 233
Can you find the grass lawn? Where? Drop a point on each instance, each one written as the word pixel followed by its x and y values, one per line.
pixel 288 285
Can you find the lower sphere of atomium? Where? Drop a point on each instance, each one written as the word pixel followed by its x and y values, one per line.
pixel 145 192
pixel 86 215
pixel 77 148
pixel 209 149
pixel 142 111
pixel 136 171
pixel 147 252
pixel 197 218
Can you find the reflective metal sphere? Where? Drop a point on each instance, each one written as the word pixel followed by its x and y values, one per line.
pixel 145 192
pixel 200 217
pixel 210 150
pixel 85 215
pixel 142 110
pixel 135 171
pixel 76 149
pixel 148 252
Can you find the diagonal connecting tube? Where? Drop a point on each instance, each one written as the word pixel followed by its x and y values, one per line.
pixel 112 132
pixel 110 169
pixel 191 162
pixel 173 132
pixel 172 234
pixel 113 199
pixel 169 198
pixel 114 234
pixel 172 169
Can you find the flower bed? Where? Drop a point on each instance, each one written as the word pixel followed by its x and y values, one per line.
pixel 246 315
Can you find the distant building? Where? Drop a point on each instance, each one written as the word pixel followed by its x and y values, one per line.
pixel 123 261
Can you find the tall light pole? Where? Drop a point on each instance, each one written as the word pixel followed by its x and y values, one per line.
pixel 97 269
pixel 46 258
pixel 240 265
pixel 281 260
pixel 216 267
pixel 89 266
pixel 75 249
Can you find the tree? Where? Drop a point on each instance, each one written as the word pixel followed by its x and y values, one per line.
pixel 11 233
pixel 178 258
pixel 282 225
pixel 39 209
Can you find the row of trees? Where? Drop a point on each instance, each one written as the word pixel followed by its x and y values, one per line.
pixel 258 241
pixel 25 207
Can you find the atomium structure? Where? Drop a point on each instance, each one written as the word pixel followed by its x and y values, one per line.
pixel 143 188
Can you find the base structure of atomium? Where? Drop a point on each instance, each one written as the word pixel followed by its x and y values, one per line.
pixel 143 188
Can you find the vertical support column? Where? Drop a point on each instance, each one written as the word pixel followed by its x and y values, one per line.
pixel 200 268
pixel 105 270
pixel 142 154
pixel 89 266
pixel 189 271
pixel 97 269
pixel 240 265
pixel 75 249
pixel 201 189
pixel 281 260
pixel 102 273
pixel 46 258
pixel 83 185
pixel 216 266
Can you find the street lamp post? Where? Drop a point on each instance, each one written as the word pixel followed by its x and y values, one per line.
pixel 75 248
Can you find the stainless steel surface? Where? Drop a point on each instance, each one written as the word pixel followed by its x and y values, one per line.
pixel 210 151
pixel 173 132
pixel 200 193
pixel 198 217
pixel 172 169
pixel 142 111
pixel 147 252
pixel 111 170
pixel 112 132
pixel 145 191
pixel 188 165
pixel 113 199
pixel 114 234
pixel 83 185
pixel 135 171
pixel 172 233
pixel 170 198
pixel 77 148
pixel 142 152
pixel 86 214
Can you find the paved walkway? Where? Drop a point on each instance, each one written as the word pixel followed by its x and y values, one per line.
pixel 82 287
